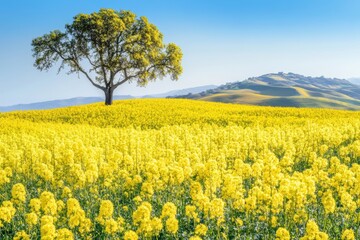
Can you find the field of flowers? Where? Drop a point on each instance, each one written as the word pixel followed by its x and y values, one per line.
pixel 180 169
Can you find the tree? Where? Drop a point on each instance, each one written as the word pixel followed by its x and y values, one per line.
pixel 109 48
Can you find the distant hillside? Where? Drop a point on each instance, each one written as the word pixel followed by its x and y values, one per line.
pixel 58 103
pixel 87 100
pixel 181 92
pixel 286 89
pixel 355 80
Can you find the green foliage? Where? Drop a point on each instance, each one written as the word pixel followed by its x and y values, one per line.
pixel 116 47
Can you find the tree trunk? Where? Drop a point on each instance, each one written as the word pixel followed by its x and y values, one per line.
pixel 108 95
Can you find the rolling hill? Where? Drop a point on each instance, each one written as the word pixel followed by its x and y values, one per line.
pixel 286 89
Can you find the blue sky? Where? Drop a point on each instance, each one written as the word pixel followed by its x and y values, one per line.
pixel 222 41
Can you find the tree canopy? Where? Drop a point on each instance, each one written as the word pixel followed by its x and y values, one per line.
pixel 109 48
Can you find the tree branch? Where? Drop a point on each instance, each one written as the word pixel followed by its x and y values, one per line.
pixel 74 59
pixel 79 68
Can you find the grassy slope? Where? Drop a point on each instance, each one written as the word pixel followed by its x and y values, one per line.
pixel 293 97
pixel 287 89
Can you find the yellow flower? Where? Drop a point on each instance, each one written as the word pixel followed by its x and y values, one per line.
pixel 195 190
pixel 105 212
pixel 274 221
pixel 31 219
pixel 47 229
pixel 85 225
pixel 313 232
pixel 282 234
pixel 147 189
pixel 142 213
pixel 195 238
pixel 111 226
pixel 172 225
pixel 125 208
pixel 66 192
pixel 47 219
pixel 48 203
pixel 60 205
pixel 239 222
pixel 18 193
pixel 322 236
pixel 168 210
pixel 348 234
pixel 137 179
pixel 328 202
pixel 145 228
pixel 121 222
pixel 137 200
pixel 76 216
pixel 64 234
pixel 311 227
pixel 130 235
pixel 156 226
pixel 22 235
pixel 220 221
pixel 216 208
pixel 73 206
pixel 219 159
pixel 5 175
pixel 201 230
pixel 190 212
pixel 7 212
pixel 347 201
pixel 35 205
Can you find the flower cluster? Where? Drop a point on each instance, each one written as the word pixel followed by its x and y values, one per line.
pixel 179 169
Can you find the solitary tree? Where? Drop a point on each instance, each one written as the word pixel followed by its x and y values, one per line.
pixel 109 48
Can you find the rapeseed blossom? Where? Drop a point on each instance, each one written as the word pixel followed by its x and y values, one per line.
pixel 348 234
pixel 21 235
pixel 31 219
pixel 201 230
pixel 18 193
pixel 171 169
pixel 282 234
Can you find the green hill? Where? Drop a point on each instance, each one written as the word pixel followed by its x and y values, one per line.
pixel 288 90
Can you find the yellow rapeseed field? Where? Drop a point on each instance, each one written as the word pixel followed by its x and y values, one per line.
pixel 179 169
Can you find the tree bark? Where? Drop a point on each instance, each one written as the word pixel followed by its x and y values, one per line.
pixel 108 95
